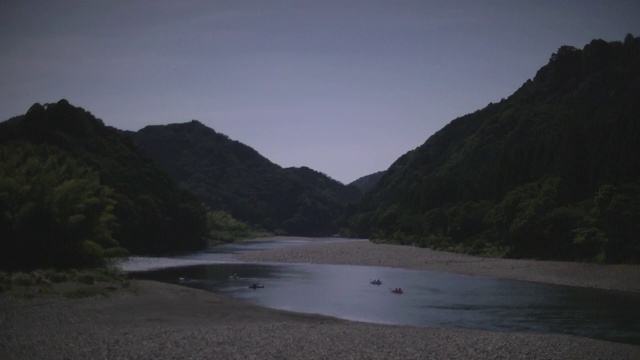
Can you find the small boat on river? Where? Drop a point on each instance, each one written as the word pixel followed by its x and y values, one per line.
pixel 375 282
pixel 256 286
pixel 397 291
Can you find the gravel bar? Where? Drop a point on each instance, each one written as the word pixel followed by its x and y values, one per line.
pixel 363 252
pixel 152 320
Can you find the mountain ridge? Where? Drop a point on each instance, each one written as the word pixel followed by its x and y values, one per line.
pixel 228 175
pixel 551 172
pixel 519 177
pixel 73 190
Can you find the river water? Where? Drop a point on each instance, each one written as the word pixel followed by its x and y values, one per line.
pixel 428 299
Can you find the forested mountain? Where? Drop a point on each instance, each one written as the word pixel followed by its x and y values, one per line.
pixel 366 183
pixel 73 191
pixel 230 176
pixel 551 172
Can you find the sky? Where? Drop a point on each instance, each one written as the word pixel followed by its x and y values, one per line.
pixel 343 87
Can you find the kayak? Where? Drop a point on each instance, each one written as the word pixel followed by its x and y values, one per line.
pixel 396 291
pixel 375 282
pixel 256 286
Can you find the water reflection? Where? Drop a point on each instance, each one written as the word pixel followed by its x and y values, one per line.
pixel 430 299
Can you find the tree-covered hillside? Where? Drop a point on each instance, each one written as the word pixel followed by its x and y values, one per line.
pixel 230 176
pixel 367 182
pixel 551 172
pixel 73 191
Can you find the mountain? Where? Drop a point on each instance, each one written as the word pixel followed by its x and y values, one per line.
pixel 552 172
pixel 367 182
pixel 230 176
pixel 72 188
pixel 322 182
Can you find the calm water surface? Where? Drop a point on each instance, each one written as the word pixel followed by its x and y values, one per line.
pixel 429 298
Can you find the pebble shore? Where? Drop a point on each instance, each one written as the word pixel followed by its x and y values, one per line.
pixel 363 252
pixel 152 320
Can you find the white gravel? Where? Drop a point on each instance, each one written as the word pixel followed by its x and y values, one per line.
pixel 618 277
pixel 162 321
pixel 152 320
pixel 144 263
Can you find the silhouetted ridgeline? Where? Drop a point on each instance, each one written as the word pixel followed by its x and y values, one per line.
pixel 73 191
pixel 551 172
pixel 228 175
pixel 367 182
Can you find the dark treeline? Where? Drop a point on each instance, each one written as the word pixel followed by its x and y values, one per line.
pixel 232 177
pixel 74 192
pixel 367 182
pixel 551 172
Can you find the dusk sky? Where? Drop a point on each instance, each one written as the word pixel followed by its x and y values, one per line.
pixel 343 87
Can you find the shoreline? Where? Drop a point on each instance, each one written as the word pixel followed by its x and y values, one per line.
pixel 153 320
pixel 363 252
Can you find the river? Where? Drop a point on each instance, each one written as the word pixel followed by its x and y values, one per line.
pixel 428 298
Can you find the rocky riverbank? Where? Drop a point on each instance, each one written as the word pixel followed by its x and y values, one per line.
pixel 150 320
pixel 616 277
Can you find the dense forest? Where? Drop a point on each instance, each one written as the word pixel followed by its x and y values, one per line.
pixel 74 192
pixel 232 177
pixel 552 172
pixel 367 182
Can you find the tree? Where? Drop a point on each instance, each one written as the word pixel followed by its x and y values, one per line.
pixel 53 211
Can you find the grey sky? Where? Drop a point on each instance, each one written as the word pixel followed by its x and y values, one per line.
pixel 344 87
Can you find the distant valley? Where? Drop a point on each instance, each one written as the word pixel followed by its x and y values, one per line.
pixel 551 172
pixel 230 176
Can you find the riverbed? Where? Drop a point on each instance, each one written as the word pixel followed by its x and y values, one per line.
pixel 435 299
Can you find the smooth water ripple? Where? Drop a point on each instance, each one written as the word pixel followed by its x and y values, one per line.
pixel 429 298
